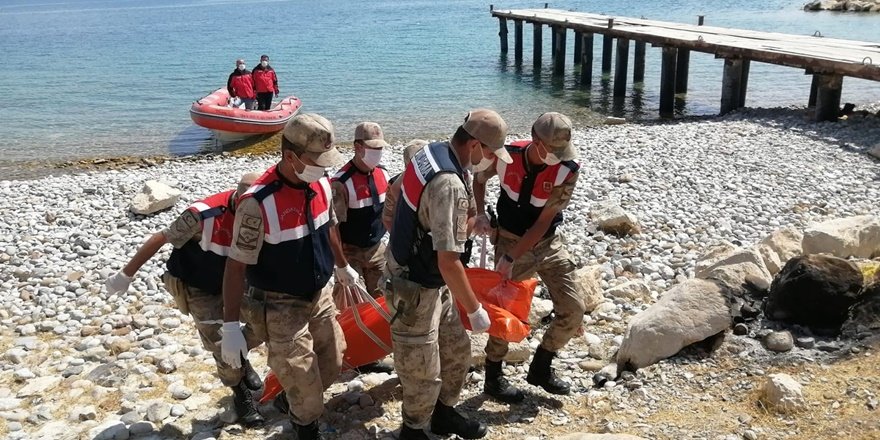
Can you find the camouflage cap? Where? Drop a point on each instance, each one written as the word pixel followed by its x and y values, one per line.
pixel 311 135
pixel 413 147
pixel 246 181
pixel 371 134
pixel 554 130
pixel 487 127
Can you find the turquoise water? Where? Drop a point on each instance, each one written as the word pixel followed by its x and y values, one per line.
pixel 85 78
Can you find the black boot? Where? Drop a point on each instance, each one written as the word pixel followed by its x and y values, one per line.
pixel 251 378
pixel 307 432
pixel 375 367
pixel 244 406
pixel 280 403
pixel 446 420
pixel 498 387
pixel 407 433
pixel 541 373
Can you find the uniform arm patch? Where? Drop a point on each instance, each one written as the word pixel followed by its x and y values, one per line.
pixel 187 225
pixel 249 232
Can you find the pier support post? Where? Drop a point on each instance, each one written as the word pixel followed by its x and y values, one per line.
pixel 587 60
pixel 620 67
pixel 731 84
pixel 517 41
pixel 744 79
pixel 552 40
pixel 814 88
pixel 578 41
pixel 559 36
pixel 667 82
pixel 502 33
pixel 828 97
pixel 681 71
pixel 607 41
pixel 537 44
pixel 639 63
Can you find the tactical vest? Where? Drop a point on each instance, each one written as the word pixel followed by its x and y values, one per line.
pixel 201 264
pixel 524 192
pixel 295 257
pixel 411 245
pixel 363 225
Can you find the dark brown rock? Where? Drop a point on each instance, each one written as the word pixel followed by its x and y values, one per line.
pixel 814 290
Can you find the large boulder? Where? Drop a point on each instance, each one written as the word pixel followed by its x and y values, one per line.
pixel 779 247
pixel 687 313
pixel 863 318
pixel 154 197
pixel 814 290
pixel 857 236
pixel 736 268
pixel 587 279
pixel 613 219
pixel 783 393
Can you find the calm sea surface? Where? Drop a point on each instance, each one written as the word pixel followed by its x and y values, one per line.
pixel 85 78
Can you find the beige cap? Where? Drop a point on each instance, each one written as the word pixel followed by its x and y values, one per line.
pixel 487 127
pixel 371 134
pixel 246 181
pixel 413 147
pixel 311 135
pixel 554 130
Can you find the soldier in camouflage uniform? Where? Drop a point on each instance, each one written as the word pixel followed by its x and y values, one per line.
pixel 201 236
pixel 412 147
pixel 285 238
pixel 535 188
pixel 426 277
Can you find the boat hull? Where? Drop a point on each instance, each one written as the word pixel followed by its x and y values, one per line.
pixel 232 124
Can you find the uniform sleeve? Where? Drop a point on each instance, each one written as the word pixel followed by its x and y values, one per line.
pixel 448 203
pixel 561 195
pixel 247 232
pixel 390 202
pixel 187 225
pixel 340 201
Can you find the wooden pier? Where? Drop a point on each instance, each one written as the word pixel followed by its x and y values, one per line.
pixel 827 59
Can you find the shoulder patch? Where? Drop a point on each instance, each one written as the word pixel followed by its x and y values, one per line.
pixel 189 221
pixel 462 204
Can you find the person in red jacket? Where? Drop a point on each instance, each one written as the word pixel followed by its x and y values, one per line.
pixel 241 84
pixel 265 83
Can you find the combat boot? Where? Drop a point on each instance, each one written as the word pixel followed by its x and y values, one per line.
pixel 407 433
pixel 498 387
pixel 243 402
pixel 541 373
pixel 446 420
pixel 251 378
pixel 307 432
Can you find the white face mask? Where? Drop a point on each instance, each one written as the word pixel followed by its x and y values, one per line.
pixel 241 66
pixel 484 164
pixel 310 174
pixel 264 63
pixel 551 159
pixel 372 157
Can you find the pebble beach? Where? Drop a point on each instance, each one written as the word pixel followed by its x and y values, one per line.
pixel 76 362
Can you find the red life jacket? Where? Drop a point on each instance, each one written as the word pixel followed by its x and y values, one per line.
pixel 201 264
pixel 295 257
pixel 525 192
pixel 265 80
pixel 243 85
pixel 363 225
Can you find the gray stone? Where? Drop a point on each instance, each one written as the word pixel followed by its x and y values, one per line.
pixel 158 411
pixel 783 393
pixel 166 366
pixel 806 342
pixel 110 375
pixel 178 410
pixel 613 219
pixel 38 386
pixel 779 341
pixel 179 391
pixel 740 329
pixel 110 430
pixel 857 236
pixel 140 428
pixel 541 308
pixel 154 197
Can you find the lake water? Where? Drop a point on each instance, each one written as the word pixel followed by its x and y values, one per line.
pixel 86 78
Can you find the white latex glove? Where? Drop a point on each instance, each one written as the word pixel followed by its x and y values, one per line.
pixel 504 267
pixel 482 225
pixel 346 276
pixel 118 283
pixel 232 345
pixel 479 320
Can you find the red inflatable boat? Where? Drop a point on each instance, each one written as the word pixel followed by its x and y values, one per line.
pixel 231 123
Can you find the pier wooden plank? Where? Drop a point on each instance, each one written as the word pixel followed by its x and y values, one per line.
pixel 856 59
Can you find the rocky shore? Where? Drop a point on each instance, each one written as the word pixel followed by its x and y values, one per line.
pixel 843 5
pixel 78 363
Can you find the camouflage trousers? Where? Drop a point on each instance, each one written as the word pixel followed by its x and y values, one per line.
pixel 369 262
pixel 432 352
pixel 206 309
pixel 551 261
pixel 305 345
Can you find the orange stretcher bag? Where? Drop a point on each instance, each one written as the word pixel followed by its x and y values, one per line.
pixel 507 302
